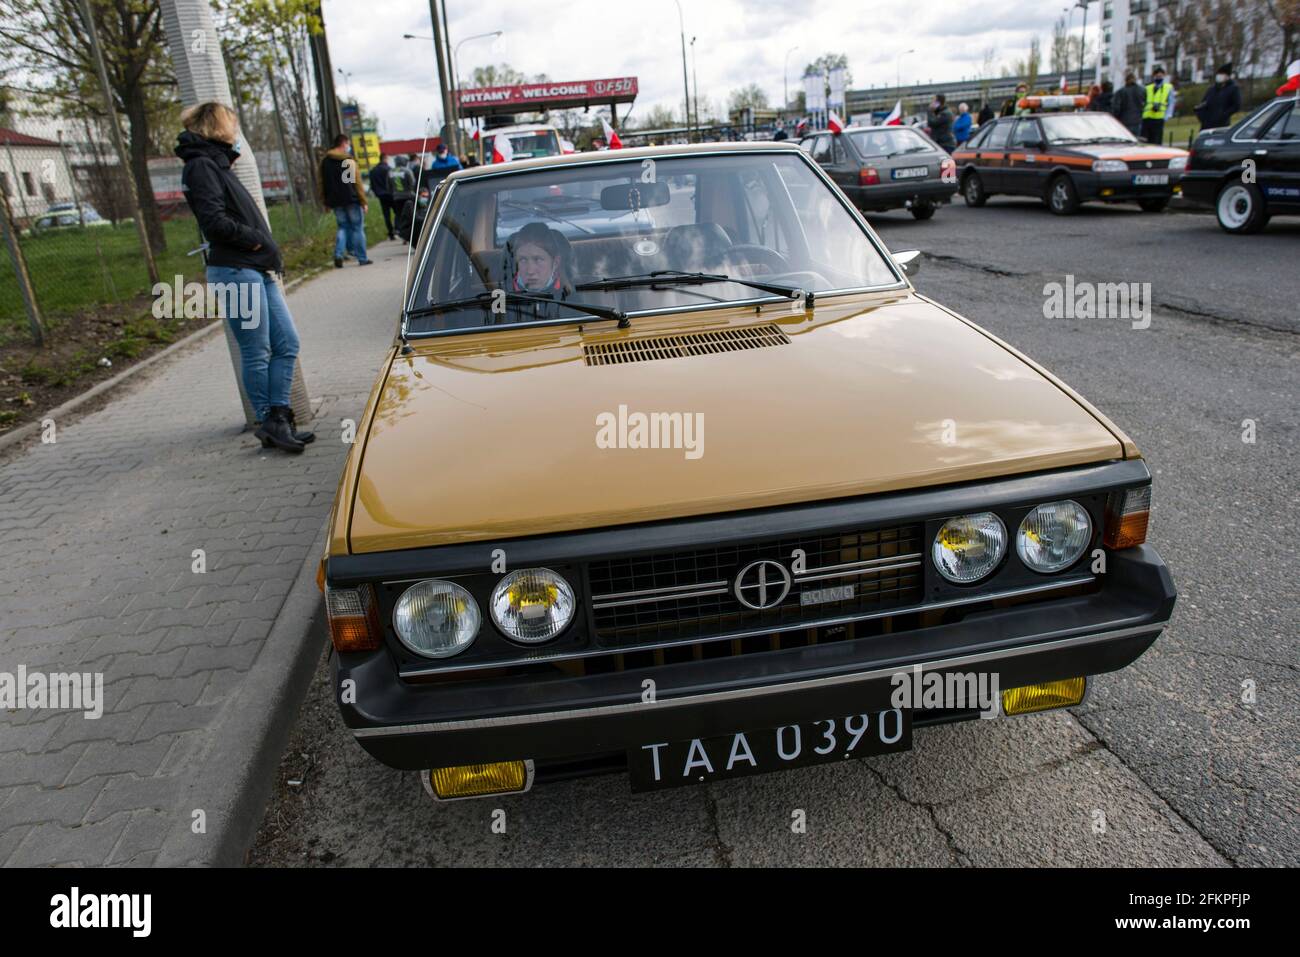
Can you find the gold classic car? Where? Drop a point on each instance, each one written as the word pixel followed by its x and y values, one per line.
pixel 670 471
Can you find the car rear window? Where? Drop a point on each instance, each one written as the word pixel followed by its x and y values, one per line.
pixel 875 143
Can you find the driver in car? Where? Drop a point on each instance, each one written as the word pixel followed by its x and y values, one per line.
pixel 538 255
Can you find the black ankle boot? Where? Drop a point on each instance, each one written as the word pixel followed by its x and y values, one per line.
pixel 304 437
pixel 275 430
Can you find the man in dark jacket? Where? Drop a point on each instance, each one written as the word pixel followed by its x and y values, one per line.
pixel 343 192
pixel 1221 100
pixel 381 185
pixel 940 120
pixel 243 263
pixel 986 113
pixel 1130 101
pixel 1106 98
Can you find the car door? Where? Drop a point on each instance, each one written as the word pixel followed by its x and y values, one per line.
pixel 1024 171
pixel 991 155
pixel 843 165
pixel 1277 160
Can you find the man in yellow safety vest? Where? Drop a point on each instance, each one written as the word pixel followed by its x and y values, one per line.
pixel 1153 116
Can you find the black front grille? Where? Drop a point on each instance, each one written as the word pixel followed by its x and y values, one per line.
pixel 687 595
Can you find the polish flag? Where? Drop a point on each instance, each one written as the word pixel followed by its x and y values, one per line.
pixel 611 135
pixel 502 151
pixel 475 136
pixel 833 122
pixel 1063 84
pixel 895 117
pixel 1292 84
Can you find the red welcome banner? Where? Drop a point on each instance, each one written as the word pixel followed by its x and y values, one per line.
pixel 549 94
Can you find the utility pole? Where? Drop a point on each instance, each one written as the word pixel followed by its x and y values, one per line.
pixel 118 143
pixel 443 87
pixel 453 96
pixel 331 124
pixel 20 272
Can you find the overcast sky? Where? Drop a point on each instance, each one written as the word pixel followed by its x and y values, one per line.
pixel 739 42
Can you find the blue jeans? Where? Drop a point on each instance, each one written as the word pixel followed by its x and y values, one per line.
pixel 352 231
pixel 254 306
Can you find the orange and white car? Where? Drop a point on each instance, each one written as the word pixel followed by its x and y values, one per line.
pixel 1066 159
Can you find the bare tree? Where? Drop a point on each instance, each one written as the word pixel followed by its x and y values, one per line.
pixel 50 41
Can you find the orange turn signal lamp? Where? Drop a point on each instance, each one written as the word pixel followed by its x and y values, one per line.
pixel 353 615
pixel 1127 514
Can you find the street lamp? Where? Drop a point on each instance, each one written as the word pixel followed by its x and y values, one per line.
pixel 1083 38
pixel 898 70
pixel 347 88
pixel 785 79
pixel 686 87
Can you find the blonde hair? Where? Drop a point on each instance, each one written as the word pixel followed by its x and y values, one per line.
pixel 212 121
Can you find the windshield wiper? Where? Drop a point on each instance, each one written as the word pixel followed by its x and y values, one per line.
pixel 677 276
pixel 490 296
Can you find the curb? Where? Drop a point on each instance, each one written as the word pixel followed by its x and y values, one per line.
pixel 233 778
pixel 108 385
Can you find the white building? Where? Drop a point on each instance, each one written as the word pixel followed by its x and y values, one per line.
pixel 34 174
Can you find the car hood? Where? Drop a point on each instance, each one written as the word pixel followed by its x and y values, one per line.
pixel 1124 151
pixel 507 434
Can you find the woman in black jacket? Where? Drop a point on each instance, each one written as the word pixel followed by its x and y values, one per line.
pixel 243 267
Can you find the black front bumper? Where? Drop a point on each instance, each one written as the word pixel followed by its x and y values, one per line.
pixel 1122 188
pixel 892 195
pixel 566 719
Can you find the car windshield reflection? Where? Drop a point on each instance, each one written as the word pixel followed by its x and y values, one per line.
pixel 518 248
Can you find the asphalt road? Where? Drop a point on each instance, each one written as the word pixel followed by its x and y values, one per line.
pixel 1181 769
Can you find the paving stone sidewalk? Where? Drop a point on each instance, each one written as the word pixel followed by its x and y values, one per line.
pixel 97 534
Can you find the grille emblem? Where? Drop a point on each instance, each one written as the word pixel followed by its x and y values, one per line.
pixel 762 584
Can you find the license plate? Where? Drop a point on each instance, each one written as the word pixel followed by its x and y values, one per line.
pixel 912 172
pixel 1151 179
pixel 671 764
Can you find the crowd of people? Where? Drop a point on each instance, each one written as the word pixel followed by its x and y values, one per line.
pixel 1142 110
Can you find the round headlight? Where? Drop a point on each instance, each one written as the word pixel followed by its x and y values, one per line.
pixel 1053 536
pixel 969 547
pixel 532 605
pixel 436 619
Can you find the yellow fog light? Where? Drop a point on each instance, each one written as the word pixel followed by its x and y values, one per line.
pixel 479 780
pixel 1108 192
pixel 1043 697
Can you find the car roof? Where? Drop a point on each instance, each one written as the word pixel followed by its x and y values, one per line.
pixel 636 152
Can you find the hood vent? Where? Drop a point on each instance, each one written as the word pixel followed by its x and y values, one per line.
pixel 684 344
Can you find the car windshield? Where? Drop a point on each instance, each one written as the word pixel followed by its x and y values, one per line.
pixel 1085 128
pixel 889 142
pixel 529 145
pixel 638 234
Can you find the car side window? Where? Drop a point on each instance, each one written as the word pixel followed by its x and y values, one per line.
pixel 806 144
pixel 1026 132
pixel 1285 127
pixel 1253 127
pixel 822 149
pixel 838 147
pixel 979 137
pixel 997 137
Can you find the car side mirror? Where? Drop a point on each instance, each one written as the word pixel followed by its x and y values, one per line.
pixel 1033 145
pixel 909 260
